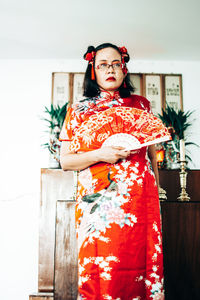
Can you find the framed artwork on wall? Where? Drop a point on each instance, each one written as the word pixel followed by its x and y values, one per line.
pixel 173 91
pixel 78 86
pixel 136 80
pixel 159 89
pixel 60 88
pixel 153 92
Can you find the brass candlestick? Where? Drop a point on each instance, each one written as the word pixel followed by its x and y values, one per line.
pixel 162 194
pixel 183 180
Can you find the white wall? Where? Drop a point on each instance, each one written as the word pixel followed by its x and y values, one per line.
pixel 25 88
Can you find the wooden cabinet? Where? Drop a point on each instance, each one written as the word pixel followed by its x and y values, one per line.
pixel 57 267
pixel 55 185
pixel 42 296
pixel 181 249
pixel 57 276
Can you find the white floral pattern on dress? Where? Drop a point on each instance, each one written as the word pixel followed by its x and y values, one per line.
pixel 155 285
pixel 108 210
pixel 103 264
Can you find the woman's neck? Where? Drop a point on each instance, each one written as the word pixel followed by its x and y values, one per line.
pixel 109 92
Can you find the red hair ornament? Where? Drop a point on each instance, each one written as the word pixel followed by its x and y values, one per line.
pixel 123 50
pixel 90 58
pixel 124 53
pixel 91 55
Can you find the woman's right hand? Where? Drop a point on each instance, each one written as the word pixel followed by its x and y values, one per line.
pixel 79 161
pixel 111 154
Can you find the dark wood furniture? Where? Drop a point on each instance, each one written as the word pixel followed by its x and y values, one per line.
pixel 181 249
pixel 57 278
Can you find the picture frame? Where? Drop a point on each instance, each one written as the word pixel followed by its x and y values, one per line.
pixel 78 86
pixel 60 88
pixel 136 80
pixel 159 89
pixel 153 92
pixel 173 91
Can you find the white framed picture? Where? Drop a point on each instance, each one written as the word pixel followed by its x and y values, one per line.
pixel 136 80
pixel 173 91
pixel 153 92
pixel 60 88
pixel 78 86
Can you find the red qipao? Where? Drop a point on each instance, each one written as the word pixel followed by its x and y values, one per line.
pixel 117 216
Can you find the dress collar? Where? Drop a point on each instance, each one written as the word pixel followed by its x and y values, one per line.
pixel 105 95
pixel 104 100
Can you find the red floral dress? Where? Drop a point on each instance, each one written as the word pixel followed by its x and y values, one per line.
pixel 117 217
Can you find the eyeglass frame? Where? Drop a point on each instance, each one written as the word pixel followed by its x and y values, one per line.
pixel 110 65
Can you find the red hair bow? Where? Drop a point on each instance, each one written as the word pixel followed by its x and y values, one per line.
pixel 124 53
pixel 90 56
pixel 123 50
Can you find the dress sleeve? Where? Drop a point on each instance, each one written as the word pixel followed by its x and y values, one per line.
pixel 71 123
pixel 146 105
pixel 140 102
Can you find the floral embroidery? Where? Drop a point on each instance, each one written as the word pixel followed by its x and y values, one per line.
pixel 104 209
pixel 101 262
pixel 144 128
pixel 117 213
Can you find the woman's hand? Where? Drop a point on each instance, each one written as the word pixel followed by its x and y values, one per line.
pixel 79 161
pixel 111 154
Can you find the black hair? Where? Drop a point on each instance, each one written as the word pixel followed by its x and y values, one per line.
pixel 91 88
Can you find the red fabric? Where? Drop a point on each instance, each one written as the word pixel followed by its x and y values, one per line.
pixel 118 221
pixel 73 114
pixel 119 126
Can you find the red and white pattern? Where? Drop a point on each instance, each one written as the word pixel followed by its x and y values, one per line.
pixel 117 218
pixel 119 123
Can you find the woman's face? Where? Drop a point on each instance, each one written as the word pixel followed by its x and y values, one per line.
pixel 109 79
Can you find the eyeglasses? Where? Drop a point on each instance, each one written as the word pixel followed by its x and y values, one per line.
pixel 105 67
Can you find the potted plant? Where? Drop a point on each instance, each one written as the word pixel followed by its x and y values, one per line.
pixel 55 120
pixel 177 122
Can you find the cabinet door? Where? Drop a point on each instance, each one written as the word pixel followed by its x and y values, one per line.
pixel 66 257
pixel 55 185
pixel 181 248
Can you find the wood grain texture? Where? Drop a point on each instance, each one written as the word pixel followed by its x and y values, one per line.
pixel 169 180
pixel 42 296
pixel 66 267
pixel 181 248
pixel 55 185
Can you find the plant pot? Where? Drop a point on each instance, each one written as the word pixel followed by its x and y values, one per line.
pixel 53 162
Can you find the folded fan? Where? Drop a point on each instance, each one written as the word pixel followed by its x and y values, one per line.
pixel 128 127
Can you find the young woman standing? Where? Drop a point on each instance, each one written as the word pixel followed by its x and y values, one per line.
pixel 117 212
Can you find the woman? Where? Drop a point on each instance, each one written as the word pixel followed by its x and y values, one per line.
pixel 117 211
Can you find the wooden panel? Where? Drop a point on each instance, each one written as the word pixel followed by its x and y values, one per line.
pixel 181 248
pixel 41 296
pixel 169 180
pixel 66 268
pixel 58 185
pixel 55 184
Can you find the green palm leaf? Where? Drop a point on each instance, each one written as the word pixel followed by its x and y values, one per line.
pixel 55 119
pixel 178 120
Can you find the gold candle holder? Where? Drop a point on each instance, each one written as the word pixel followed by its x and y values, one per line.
pixel 162 194
pixel 183 180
